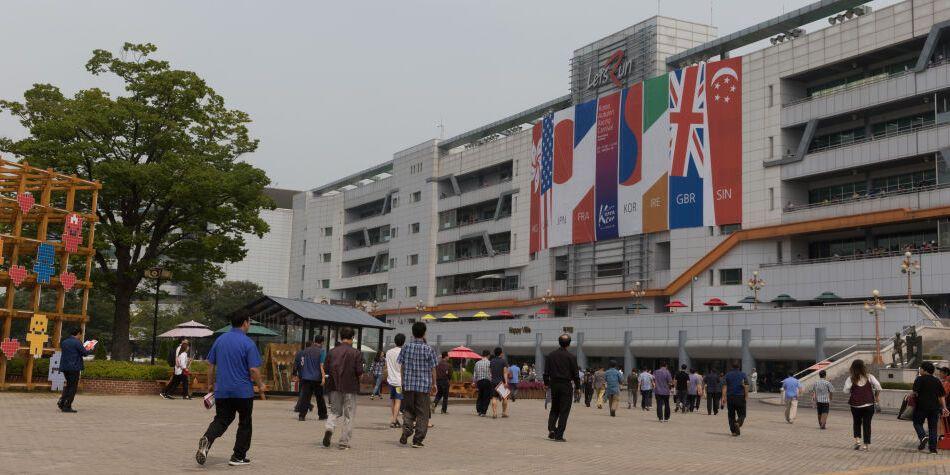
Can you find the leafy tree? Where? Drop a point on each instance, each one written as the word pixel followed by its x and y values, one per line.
pixel 215 302
pixel 166 152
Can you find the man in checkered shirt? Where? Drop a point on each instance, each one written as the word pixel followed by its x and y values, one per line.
pixel 418 361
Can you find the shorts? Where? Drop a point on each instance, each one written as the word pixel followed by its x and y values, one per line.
pixel 494 392
pixel 823 407
pixel 395 393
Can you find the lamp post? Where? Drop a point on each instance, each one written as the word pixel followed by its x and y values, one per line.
pixel 420 306
pixel 875 306
pixel 909 267
pixel 755 285
pixel 157 273
pixel 548 297
pixel 637 293
pixel 691 282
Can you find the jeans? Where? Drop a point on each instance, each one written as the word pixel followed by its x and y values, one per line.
pixel 378 385
pixel 69 390
pixel 415 414
pixel 932 418
pixel 663 407
pixel 646 397
pixel 514 391
pixel 342 411
pixel 484 396
pixel 173 385
pixel 791 409
pixel 692 402
pixel 861 419
pixel 560 408
pixel 442 393
pixel 631 397
pixel 588 394
pixel 613 400
pixel 736 412
pixel 712 403
pixel 225 409
pixel 310 388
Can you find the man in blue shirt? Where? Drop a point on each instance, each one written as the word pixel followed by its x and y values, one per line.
pixel 736 389
pixel 70 364
pixel 308 365
pixel 613 377
pixel 418 362
pixel 790 390
pixel 514 377
pixel 233 363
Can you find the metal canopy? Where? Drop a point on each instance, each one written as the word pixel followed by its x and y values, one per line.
pixel 319 312
pixel 522 117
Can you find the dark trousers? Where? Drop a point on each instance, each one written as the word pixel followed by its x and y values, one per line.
pixel 442 393
pixel 69 390
pixel 712 403
pixel 663 407
pixel 484 395
pixel 588 394
pixel 225 409
pixel 736 411
pixel 560 408
pixel 514 391
pixel 646 397
pixel 932 417
pixel 308 389
pixel 415 414
pixel 861 418
pixel 173 385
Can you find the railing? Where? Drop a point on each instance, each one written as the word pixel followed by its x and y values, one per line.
pixel 483 290
pixel 793 207
pixel 469 222
pixel 859 83
pixel 463 190
pixel 476 256
pixel 917 127
pixel 856 257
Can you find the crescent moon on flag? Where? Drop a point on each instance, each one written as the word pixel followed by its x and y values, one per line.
pixel 725 71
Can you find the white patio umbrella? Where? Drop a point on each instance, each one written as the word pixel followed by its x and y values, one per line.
pixel 189 329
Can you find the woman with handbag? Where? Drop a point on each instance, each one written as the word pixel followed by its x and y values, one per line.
pixel 181 376
pixel 864 392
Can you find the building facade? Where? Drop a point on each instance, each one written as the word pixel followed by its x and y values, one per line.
pixel 844 138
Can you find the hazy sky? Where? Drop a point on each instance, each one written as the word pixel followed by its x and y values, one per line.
pixel 334 87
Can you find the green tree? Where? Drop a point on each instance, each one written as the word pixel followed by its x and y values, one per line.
pixel 166 152
pixel 215 302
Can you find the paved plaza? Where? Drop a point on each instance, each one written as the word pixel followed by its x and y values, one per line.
pixel 113 434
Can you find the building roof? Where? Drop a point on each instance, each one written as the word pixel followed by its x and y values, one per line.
pixel 318 312
pixel 282 198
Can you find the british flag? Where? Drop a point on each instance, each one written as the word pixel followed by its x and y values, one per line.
pixel 541 182
pixel 688 120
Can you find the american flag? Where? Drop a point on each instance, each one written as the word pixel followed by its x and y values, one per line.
pixel 543 179
pixel 688 120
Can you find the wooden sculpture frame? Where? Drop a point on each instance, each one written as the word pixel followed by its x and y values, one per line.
pixel 55 196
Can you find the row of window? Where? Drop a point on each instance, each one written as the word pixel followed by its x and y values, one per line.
pixel 887 127
pixel 890 184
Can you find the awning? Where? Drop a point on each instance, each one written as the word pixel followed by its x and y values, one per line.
pixel 490 276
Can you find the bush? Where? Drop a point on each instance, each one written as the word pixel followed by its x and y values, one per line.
pixel 126 370
pixel 16 365
pixel 906 386
pixel 100 352
pixel 462 375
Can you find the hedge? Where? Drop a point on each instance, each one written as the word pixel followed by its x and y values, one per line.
pixel 126 370
pixel 897 385
pixel 40 367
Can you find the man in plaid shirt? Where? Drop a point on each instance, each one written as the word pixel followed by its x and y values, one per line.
pixel 418 363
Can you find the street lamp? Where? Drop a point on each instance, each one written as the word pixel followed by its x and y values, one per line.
pixel 691 282
pixel 755 285
pixel 875 306
pixel 637 293
pixel 909 266
pixel 157 273
pixel 420 306
pixel 548 297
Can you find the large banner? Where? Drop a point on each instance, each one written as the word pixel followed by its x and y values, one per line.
pixel 662 154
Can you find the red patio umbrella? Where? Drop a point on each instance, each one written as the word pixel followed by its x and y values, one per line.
pixel 715 302
pixel 505 313
pixel 675 304
pixel 544 311
pixel 463 353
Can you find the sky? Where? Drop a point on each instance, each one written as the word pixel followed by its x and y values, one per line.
pixel 336 87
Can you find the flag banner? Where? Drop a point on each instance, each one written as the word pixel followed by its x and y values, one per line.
pixel 662 154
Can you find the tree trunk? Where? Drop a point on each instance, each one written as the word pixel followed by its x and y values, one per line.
pixel 121 349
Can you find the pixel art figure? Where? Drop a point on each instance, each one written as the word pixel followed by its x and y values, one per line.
pixel 44 263
pixel 36 335
pixel 9 347
pixel 72 232
pixel 17 274
pixel 25 201
pixel 68 279
pixel 56 378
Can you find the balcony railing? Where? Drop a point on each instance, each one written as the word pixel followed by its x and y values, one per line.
pixel 480 290
pixel 469 222
pixel 907 129
pixel 474 256
pixel 464 190
pixel 872 254
pixel 859 83
pixel 871 195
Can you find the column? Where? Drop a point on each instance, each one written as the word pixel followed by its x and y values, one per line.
pixel 747 361
pixel 683 355
pixel 438 344
pixel 581 357
pixel 538 355
pixel 468 341
pixel 501 342
pixel 628 361
pixel 820 337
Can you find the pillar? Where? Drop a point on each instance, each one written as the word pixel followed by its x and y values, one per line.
pixel 468 341
pixel 820 336
pixel 581 357
pixel 628 362
pixel 538 355
pixel 501 343
pixel 438 344
pixel 683 355
pixel 747 361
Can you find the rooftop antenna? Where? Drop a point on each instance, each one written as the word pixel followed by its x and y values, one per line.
pixel 657 7
pixel 441 126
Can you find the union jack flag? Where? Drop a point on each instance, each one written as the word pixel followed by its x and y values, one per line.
pixel 688 121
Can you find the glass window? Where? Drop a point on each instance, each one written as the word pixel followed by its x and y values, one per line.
pixel 325 284
pixel 730 276
pixel 611 269
pixel 326 257
pixel 414 228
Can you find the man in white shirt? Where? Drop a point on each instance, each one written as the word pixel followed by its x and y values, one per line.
pixel 394 378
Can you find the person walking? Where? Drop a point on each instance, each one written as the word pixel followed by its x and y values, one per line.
pixel 612 378
pixel 712 386
pixel 588 386
pixel 180 374
pixel 498 367
pixel 377 371
pixel 735 394
pixel 754 381
pixel 71 365
pixel 681 396
pixel 418 363
pixel 312 372
pixel 694 389
pixel 600 387
pixel 394 379
pixel 481 376
pixel 443 374
pixel 931 406
pixel 790 392
pixel 645 381
pixel 863 394
pixel 633 388
pixel 821 394
pixel 560 369
pixel 662 382
pixel 344 366
pixel 577 389
pixel 233 366
pixel 514 377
